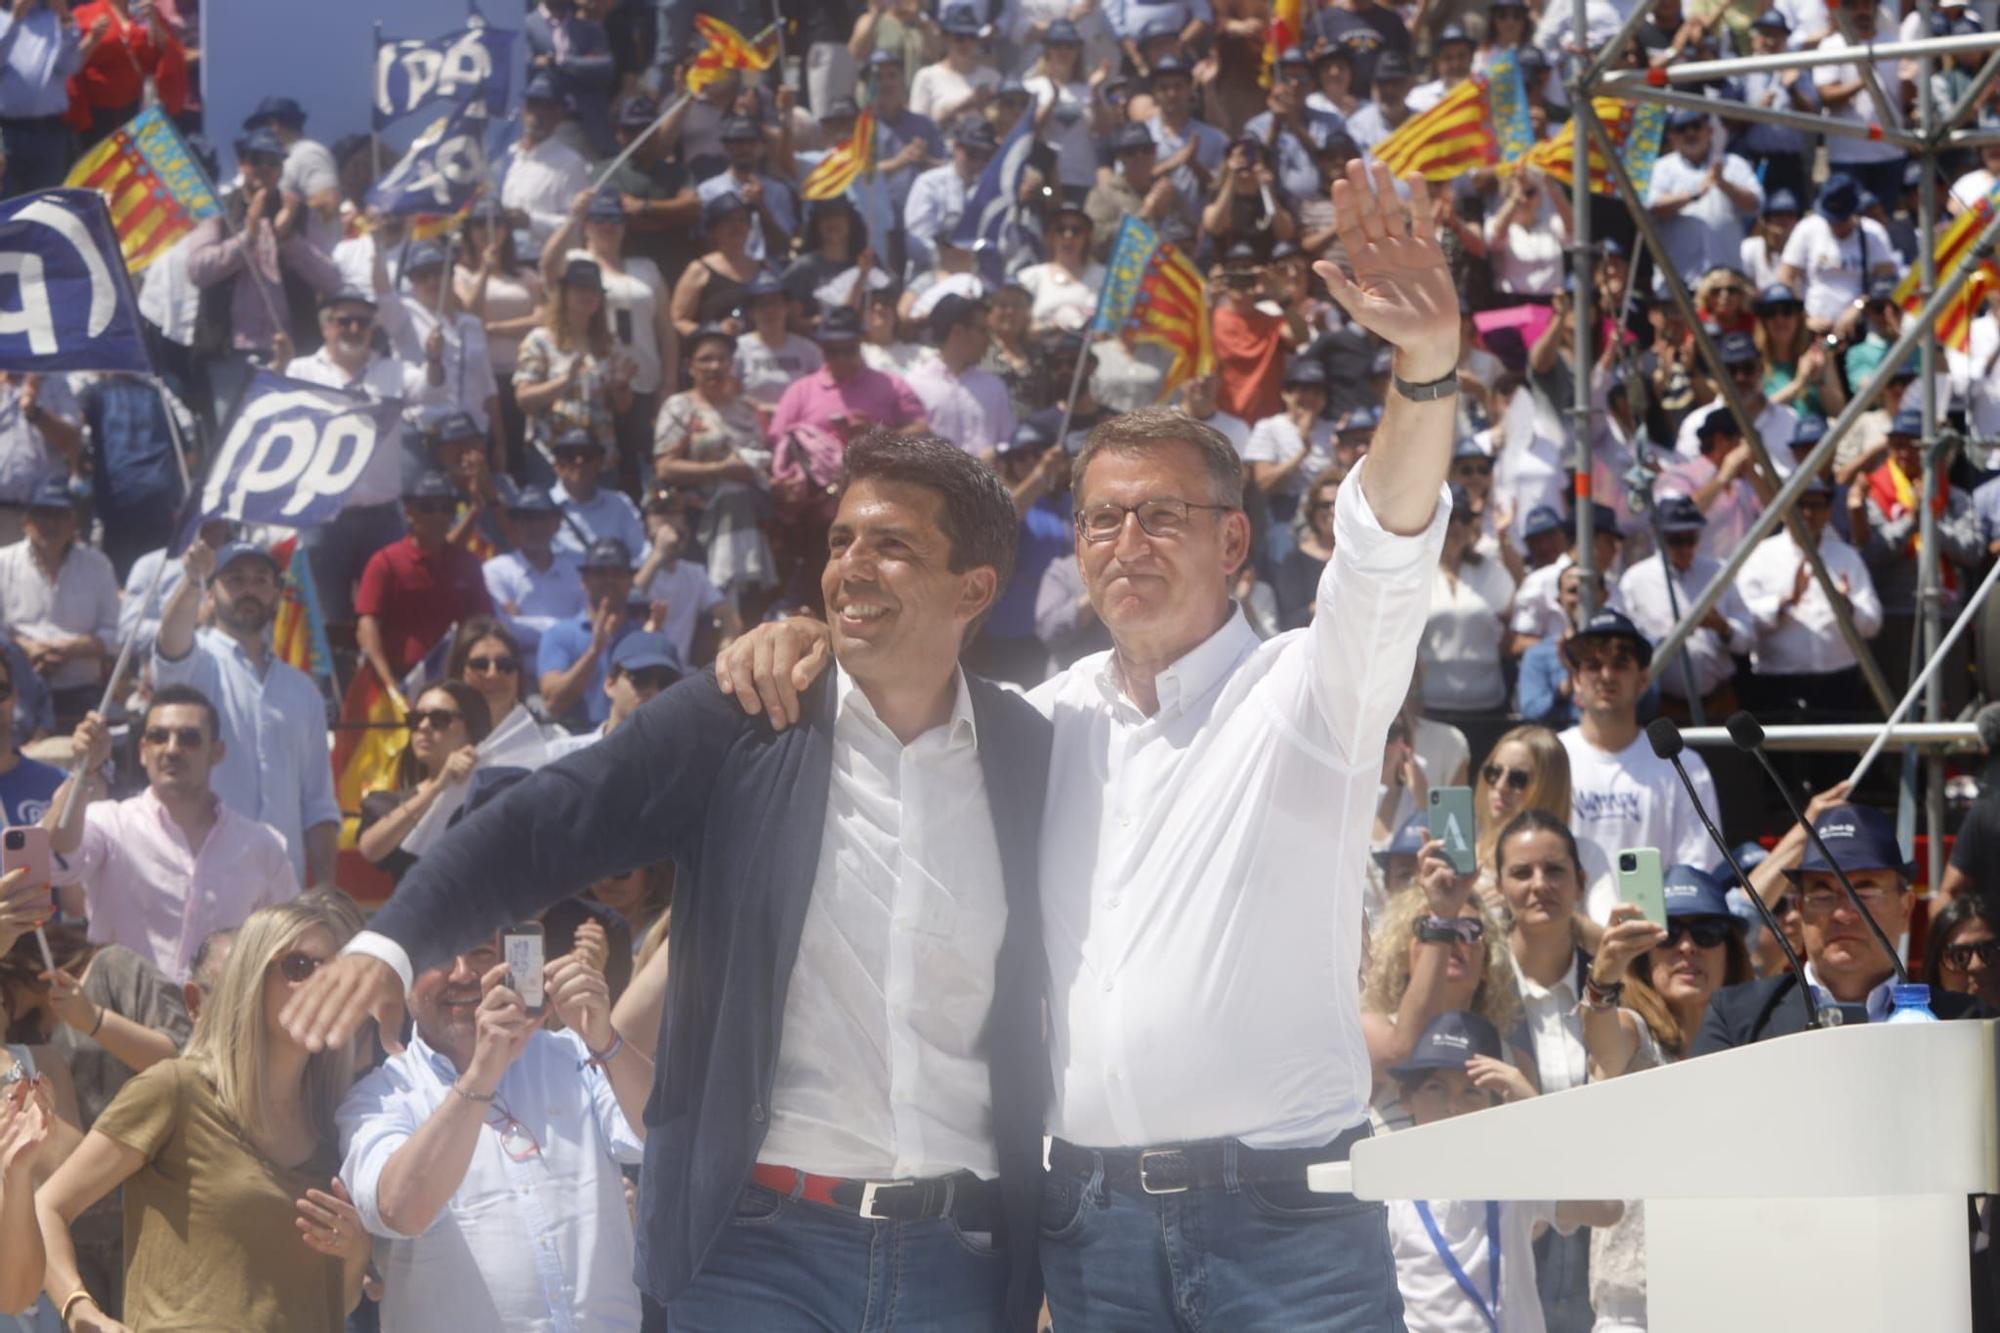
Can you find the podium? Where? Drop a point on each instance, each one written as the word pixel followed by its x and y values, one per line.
pixel 1816 1181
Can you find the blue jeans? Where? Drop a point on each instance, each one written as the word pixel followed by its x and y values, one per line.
pixel 1241 1258
pixel 784 1265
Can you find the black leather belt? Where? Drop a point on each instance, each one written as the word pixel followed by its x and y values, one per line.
pixel 1175 1168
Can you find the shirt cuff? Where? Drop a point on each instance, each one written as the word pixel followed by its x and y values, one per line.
pixel 373 945
pixel 1372 547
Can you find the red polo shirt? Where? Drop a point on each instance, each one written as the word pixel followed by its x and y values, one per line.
pixel 417 598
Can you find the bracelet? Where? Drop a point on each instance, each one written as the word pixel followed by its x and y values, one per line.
pixel 601 1059
pixel 1601 997
pixel 473 1096
pixel 1428 392
pixel 69 1304
pixel 94 1027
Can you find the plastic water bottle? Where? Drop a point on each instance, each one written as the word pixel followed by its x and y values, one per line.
pixel 1911 1004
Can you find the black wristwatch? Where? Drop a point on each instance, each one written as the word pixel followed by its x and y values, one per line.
pixel 1428 392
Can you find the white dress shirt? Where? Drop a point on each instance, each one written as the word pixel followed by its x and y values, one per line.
pixel 530 599
pixel 1555 1030
pixel 542 1245
pixel 383 379
pixel 936 202
pixel 882 1070
pixel 1202 868
pixel 1538 601
pixel 1862 108
pixel 1643 590
pixel 1464 636
pixel 1633 799
pixel 1709 230
pixel 1804 640
pixel 81 599
pixel 543 182
pixel 971 408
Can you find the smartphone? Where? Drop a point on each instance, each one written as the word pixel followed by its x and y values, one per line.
pixel 1642 883
pixel 521 948
pixel 1451 824
pixel 622 318
pixel 26 846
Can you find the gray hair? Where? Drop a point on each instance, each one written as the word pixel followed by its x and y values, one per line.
pixel 1149 427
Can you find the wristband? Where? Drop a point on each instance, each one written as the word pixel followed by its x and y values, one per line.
pixel 1428 392
pixel 473 1096
pixel 102 1010
pixel 1601 997
pixel 609 1053
pixel 69 1304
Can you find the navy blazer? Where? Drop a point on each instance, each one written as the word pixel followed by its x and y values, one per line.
pixel 739 810
pixel 1773 1007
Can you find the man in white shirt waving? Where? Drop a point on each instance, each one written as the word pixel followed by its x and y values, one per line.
pixel 1204 1054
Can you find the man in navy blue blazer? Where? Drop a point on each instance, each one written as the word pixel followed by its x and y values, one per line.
pixel 848 1103
pixel 1844 962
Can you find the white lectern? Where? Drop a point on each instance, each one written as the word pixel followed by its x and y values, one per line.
pixel 1817 1181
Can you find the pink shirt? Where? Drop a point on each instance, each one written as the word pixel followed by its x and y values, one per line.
pixel 146 889
pixel 867 398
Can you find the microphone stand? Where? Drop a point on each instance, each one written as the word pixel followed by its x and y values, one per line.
pixel 1748 734
pixel 1665 738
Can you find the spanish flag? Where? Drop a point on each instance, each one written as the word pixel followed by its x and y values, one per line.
pixel 1154 291
pixel 154 188
pixel 1954 251
pixel 1287 28
pixel 728 49
pixel 1450 139
pixel 365 746
pixel 847 163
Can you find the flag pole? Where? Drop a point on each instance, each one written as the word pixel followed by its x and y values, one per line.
pixel 375 113
pixel 625 153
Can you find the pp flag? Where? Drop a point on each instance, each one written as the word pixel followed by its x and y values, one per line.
pixel 444 169
pixel 293 452
pixel 155 189
pixel 415 74
pixel 990 224
pixel 65 299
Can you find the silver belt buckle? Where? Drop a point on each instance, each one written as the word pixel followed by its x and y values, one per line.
pixel 867 1208
pixel 1146 1184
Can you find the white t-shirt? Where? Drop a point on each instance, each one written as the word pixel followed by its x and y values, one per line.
pixel 1061 300
pixel 939 86
pixel 766 372
pixel 1633 799
pixel 1067 130
pixel 689 596
pixel 632 301
pixel 1462 639
pixel 1528 260
pixel 1860 109
pixel 1433 1302
pixel 1276 440
pixel 1832 266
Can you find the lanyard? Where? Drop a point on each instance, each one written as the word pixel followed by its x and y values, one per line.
pixel 1489 1312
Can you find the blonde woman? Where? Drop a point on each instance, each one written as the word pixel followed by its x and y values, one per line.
pixel 227 1157
pixel 1527 769
pixel 1437 950
pixel 569 374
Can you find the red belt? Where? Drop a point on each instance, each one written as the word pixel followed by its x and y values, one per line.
pixel 784 1179
pixel 974 1204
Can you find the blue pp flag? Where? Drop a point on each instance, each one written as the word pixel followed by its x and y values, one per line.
pixel 990 225
pixel 293 453
pixel 444 168
pixel 412 75
pixel 65 297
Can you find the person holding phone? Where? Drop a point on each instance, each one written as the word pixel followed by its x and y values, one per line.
pixel 1526 236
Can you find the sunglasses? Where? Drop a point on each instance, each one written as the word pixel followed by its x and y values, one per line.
pixel 1517 779
pixel 432 506
pixel 439 719
pixel 1473 468
pixel 1683 538
pixel 1317 507
pixel 296 967
pixel 191 738
pixel 650 678
pixel 1706 931
pixel 1070 229
pixel 1960 956
pixel 1785 906
pixel 351 321
pixel 577 455
pixel 1469 929
pixel 505 666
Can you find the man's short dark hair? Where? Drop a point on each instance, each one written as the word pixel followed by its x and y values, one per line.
pixel 979 518
pixel 183 694
pixel 1147 428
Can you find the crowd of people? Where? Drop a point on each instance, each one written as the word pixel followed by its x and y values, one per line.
pixel 1091 648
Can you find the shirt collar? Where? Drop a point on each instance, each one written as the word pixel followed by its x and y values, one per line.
pixel 1195 672
pixel 848 697
pixel 1880 1000
pixel 1563 991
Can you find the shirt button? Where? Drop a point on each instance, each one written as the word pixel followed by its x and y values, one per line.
pixel 757 1113
pixel 1108 984
pixel 1111 902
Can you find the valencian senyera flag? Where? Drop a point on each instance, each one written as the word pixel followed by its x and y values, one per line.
pixel 298 631
pixel 728 49
pixel 155 189
pixel 1154 292
pixel 846 163
pixel 1286 29
pixel 1450 139
pixel 1954 251
pixel 1634 129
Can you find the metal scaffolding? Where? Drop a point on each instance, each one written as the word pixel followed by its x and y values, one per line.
pixel 1936 130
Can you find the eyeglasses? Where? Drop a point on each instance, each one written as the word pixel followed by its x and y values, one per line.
pixel 1707 932
pixel 1166 519
pixel 439 719
pixel 1959 956
pixel 1824 902
pixel 190 738
pixel 296 966
pixel 505 666
pixel 1473 467
pixel 1785 906
pixel 1517 779
pixel 1070 229
pixel 1683 538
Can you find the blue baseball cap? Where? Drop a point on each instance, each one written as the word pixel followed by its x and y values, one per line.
pixel 1719 421
pixel 1808 430
pixel 719 206
pixel 1860 837
pixel 1033 433
pixel 1062 33
pixel 261 142
pixel 1909 421
pixel 1776 296
pixel 1780 201
pixel 1360 419
pixel 1411 835
pixel 541 87
pixel 1304 373
pixel 1680 514
pixel 452 424
pixel 581 272
pixel 1606 623
pixel 1603 518
pixel 606 553
pixel 423 255
pixel 1839 198
pixel 644 648
pixel 1452 32
pixel 1294 55
pixel 52 493
pixel 961 21
pixel 764 284
pixel 235 551
pixel 1749 855
pixel 533 500
pixel 1738 348
pixel 1683 117
pixel 1771 21
pixel 282 110
pixel 1541 521
pixel 1692 891
pixel 1449 1040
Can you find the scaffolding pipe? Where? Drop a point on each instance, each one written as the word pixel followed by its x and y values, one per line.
pixel 1677 289
pixel 1769 115
pixel 1706 71
pixel 1583 270
pixel 1833 737
pixel 1930 581
pixel 1917 326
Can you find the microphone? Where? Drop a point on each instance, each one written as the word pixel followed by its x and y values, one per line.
pixel 1748 733
pixel 1665 738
